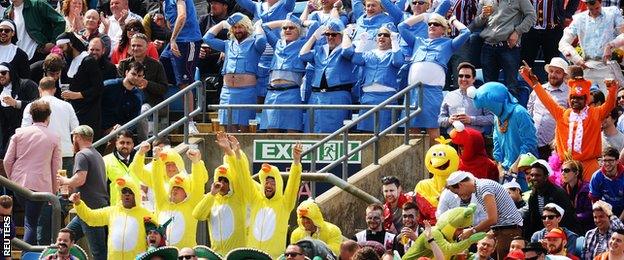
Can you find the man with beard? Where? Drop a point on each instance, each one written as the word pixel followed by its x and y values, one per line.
pixel 410 231
pixel 210 62
pixel 556 241
pixel 85 82
pixel 64 241
pixel 89 179
pixel 485 249
pixel 9 52
pixel 16 94
pixel 596 240
pixel 544 192
pixel 98 50
pixel 577 128
pixel 122 98
pixel 558 90
pixel 374 228
pixel 606 184
pixel 117 163
pixel 394 200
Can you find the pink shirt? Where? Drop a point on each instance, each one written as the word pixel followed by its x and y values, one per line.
pixel 34 157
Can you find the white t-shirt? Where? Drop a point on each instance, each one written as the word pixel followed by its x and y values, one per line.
pixel 24 41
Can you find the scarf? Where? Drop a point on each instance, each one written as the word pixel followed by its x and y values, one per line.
pixel 576 138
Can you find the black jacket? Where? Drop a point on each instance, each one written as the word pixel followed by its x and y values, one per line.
pixel 552 194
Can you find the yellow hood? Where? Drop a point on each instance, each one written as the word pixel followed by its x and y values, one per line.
pixel 181 180
pixel 268 170
pixel 224 171
pixel 121 183
pixel 171 155
pixel 309 209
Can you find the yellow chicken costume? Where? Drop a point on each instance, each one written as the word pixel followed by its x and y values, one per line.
pixel 269 217
pixel 126 232
pixel 182 231
pixel 441 160
pixel 226 214
pixel 143 173
pixel 326 232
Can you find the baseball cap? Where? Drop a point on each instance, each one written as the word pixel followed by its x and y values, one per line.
pixel 556 233
pixel 515 255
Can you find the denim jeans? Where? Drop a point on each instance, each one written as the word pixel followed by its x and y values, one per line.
pixel 44 237
pixel 95 235
pixel 32 210
pixel 499 57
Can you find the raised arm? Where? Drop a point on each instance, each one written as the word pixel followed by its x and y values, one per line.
pixel 404 26
pixel 394 11
pixel 306 53
pixel 294 178
pixel 199 174
pixel 248 5
pixel 211 39
pixel 93 217
pixel 357 8
pixel 158 169
pixel 551 105
pixel 137 166
pixel 464 33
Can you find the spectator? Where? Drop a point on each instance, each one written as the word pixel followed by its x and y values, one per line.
pixel 121 15
pixel 312 224
pixel 36 18
pixel 62 119
pixel 428 66
pixel 606 183
pixel 457 106
pixel 503 25
pixel 552 18
pixel 500 211
pixel 485 248
pixel 556 242
pixel 543 191
pixel 597 98
pixel 287 73
pixel 85 82
pixel 73 12
pixel 294 252
pixel 597 43
pixel 449 200
pixel 374 228
pixel 551 217
pixel 122 98
pixel 89 175
pixel 239 82
pixel 180 54
pixel 333 77
pixel 509 141
pixel 155 233
pixel 32 160
pixel 117 163
pixel 128 208
pixel 558 91
pixel 611 136
pixel 16 94
pixel 394 200
pixel 320 11
pixel 578 193
pixel 6 209
pixel 535 251
pixel 187 253
pixel 370 16
pixel 91 31
pixel 10 52
pixel 121 50
pixel 410 230
pixel 517 242
pixel 582 139
pixel 365 253
pixel 616 249
pixel 156 28
pixel 154 83
pixel 64 242
pixel 596 240
pixel 209 62
pixel 515 192
pixel 53 67
pixel 98 51
pixel 465 11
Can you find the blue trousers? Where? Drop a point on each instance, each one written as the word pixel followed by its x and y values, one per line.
pixel 501 57
pixel 96 236
pixel 32 210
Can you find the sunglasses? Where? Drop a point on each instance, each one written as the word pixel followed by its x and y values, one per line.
pixel 126 191
pixel 408 216
pixel 419 3
pixel 435 24
pixel 568 170
pixel 288 28
pixel 454 186
pixel 185 257
pixel 387 35
pixel 331 34
pixel 4 73
pixel 618 98
pixel 549 217
pixel 464 76
pixel 292 254
pixel 134 29
pixel 7 30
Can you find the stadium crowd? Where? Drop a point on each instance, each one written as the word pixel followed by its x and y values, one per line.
pixel 525 163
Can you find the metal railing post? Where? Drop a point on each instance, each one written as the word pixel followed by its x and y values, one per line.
pixel 186 115
pixel 230 118
pixel 155 121
pixel 376 134
pixel 345 150
pixel 407 123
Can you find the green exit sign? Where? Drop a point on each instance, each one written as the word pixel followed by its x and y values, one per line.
pixel 280 151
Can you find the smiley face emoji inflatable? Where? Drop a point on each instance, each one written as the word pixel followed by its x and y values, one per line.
pixel 442 159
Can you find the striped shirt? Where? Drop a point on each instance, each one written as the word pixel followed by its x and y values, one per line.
pixel 597 243
pixel 544 122
pixel 545 14
pixel 505 208
pixel 465 11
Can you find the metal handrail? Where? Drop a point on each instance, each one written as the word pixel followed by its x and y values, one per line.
pixel 36 196
pixel 154 111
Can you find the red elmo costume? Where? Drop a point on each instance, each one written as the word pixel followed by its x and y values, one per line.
pixel 472 155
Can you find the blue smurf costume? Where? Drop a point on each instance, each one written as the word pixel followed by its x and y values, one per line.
pixel 379 70
pixel 240 58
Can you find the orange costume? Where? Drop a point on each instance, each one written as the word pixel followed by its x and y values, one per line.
pixel 584 141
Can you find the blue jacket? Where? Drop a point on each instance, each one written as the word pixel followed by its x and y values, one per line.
pixel 518 136
pixel 277 12
pixel 286 56
pixel 337 69
pixel 438 50
pixel 375 70
pixel 239 57
pixel 119 105
pixel 190 32
pixel 314 16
